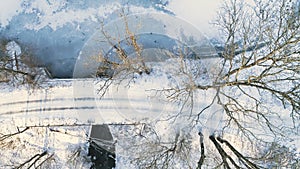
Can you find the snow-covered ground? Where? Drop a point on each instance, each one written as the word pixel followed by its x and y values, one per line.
pixel 58 32
pixel 66 109
pixel 55 31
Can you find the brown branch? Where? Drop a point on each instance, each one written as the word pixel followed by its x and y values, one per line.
pixel 36 157
pixel 3 137
pixel 267 57
pixel 285 95
pixel 223 154
pixel 238 154
pixel 14 71
pixel 202 157
pixel 48 158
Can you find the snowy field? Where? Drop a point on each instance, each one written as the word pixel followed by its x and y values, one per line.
pixel 50 127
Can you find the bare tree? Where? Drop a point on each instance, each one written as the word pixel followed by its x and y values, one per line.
pixel 257 86
pixel 261 65
pixel 14 71
pixel 20 146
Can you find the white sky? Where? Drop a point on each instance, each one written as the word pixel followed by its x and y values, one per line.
pixel 197 12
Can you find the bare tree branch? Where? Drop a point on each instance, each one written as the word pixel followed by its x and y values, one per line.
pixel 5 136
pixel 35 159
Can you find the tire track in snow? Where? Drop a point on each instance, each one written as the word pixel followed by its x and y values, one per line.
pixel 107 104
pixel 49 109
pixel 66 99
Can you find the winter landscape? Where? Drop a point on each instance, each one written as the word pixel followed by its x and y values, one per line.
pixel 149 84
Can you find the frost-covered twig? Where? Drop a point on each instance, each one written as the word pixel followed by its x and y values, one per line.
pixel 245 161
pixel 36 158
pixel 5 136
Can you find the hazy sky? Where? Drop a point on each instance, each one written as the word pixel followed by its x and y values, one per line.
pixel 197 12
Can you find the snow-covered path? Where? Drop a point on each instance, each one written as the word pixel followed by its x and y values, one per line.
pixel 77 100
